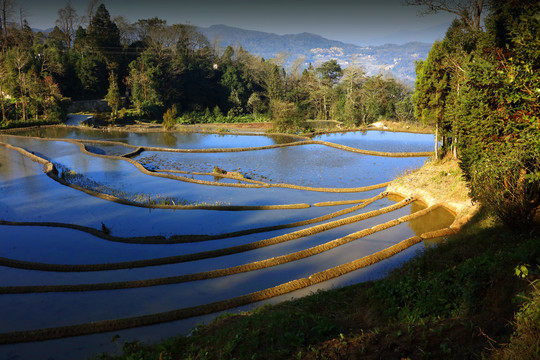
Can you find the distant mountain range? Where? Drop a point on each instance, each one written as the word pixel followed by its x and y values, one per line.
pixel 397 60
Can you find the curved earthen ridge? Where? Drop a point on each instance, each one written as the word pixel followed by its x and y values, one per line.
pixel 307 141
pixel 141 168
pixel 253 184
pixel 365 129
pixel 370 152
pixel 191 238
pixel 52 172
pixel 204 254
pixel 119 324
pixel 258 265
pixel 179 314
pixel 300 143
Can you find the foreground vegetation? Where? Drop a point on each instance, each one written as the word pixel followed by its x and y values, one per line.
pixel 480 87
pixel 457 300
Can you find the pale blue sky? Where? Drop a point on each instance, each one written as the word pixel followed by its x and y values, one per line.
pixel 358 22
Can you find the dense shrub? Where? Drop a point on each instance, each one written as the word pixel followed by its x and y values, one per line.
pixel 287 117
pixel 169 118
pixel 504 180
pixel 499 127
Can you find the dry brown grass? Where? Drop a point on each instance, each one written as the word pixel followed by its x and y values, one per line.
pixel 437 182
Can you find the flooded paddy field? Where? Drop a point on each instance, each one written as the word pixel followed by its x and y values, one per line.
pixel 92 240
pixel 378 140
pixel 307 165
pixel 178 140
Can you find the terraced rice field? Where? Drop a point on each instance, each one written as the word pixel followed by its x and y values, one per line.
pixel 146 235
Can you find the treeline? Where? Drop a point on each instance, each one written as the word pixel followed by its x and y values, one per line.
pixel 150 67
pixel 481 88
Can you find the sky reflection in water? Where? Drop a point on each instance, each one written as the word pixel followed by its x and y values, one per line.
pixel 29 195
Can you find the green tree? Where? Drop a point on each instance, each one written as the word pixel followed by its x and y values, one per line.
pixel 405 109
pixel 499 122
pixel 431 90
pixel 148 30
pixel 113 95
pixel 27 85
pixel 353 78
pixel 326 77
pixel 169 118
pixel 255 104
pixel 330 72
pixel 81 38
pixel 91 70
pixel 286 116
pixel 3 84
pixel 273 82
pixel 144 78
pixel 52 99
pixel 103 34
pixel 57 39
pixel 6 11
pixel 232 80
pixel 18 63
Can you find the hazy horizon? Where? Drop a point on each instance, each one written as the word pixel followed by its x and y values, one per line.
pixel 360 23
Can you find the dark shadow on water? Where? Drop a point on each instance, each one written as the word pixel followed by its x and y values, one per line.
pixel 95 150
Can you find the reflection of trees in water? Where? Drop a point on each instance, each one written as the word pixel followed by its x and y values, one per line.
pixel 172 139
pixel 169 139
pixel 282 139
pixel 6 166
pixel 58 132
pixel 53 132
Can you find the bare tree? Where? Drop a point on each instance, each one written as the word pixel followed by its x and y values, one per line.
pixel 280 59
pixel 22 15
pixel 67 21
pixel 3 78
pixel 6 10
pixel 295 70
pixel 353 75
pixel 126 29
pixel 469 11
pixel 91 9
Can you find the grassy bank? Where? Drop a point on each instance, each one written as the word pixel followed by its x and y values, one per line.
pixel 25 124
pixel 455 301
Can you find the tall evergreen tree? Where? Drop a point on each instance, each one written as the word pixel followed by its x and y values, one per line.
pixel 103 34
pixel 431 90
pixel 113 95
pixel 57 39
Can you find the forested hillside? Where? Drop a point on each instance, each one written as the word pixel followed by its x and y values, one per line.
pixel 148 67
pixel 480 87
pixel 394 59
